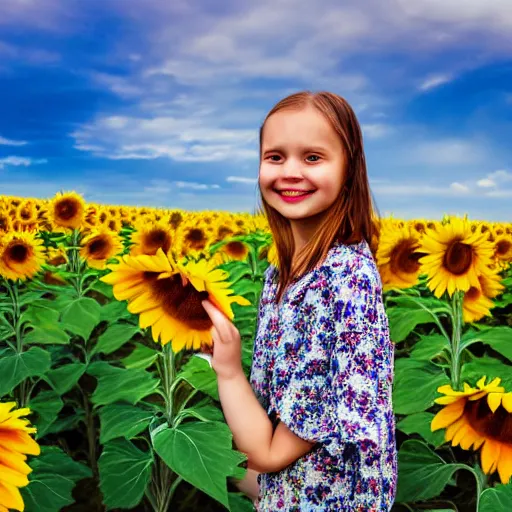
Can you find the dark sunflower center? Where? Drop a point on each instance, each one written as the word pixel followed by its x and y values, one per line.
pixel 502 247
pixel 473 293
pixel 18 253
pixel 403 257
pixel 175 219
pixel 66 209
pixel 25 214
pixel 98 248
pixel 458 258
pixel 196 238
pixel 180 302
pixel 497 425
pixel 155 239
pixel 236 249
pixel 3 223
pixel 224 231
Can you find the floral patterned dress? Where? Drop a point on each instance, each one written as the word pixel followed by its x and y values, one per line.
pixel 323 365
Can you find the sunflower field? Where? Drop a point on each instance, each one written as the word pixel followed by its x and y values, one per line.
pixel 108 403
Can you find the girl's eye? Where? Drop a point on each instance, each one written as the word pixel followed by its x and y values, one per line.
pixel 314 156
pixel 274 156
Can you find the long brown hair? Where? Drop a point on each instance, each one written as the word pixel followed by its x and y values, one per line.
pixel 351 217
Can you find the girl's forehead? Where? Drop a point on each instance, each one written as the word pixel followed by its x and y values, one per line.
pixel 300 129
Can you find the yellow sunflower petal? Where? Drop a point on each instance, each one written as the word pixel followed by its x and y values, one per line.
pixel 494 400
pixel 448 415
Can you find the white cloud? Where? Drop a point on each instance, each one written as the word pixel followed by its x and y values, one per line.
pixel 459 188
pixel 16 161
pixel 242 179
pixel 485 183
pixel 434 81
pixel 447 152
pixel 11 142
pixel 375 131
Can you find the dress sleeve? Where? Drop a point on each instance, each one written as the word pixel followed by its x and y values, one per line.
pixel 336 354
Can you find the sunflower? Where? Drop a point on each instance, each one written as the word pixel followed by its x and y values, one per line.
pixel 397 257
pixel 232 251
pixel 479 417
pixel 503 248
pixel 99 245
pixel 56 256
pixel 192 238
pixel 67 211
pixel 477 301
pixel 15 445
pixel 149 237
pixel 5 221
pixel 21 255
pixel 454 256
pixel 168 296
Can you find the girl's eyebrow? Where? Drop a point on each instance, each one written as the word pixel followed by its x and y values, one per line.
pixel 318 149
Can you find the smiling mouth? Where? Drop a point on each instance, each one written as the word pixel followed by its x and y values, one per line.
pixel 293 194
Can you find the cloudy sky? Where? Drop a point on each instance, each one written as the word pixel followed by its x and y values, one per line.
pixel 159 102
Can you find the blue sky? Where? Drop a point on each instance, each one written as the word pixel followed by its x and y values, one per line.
pixel 159 102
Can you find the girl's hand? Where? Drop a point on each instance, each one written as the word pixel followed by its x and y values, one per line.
pixel 227 345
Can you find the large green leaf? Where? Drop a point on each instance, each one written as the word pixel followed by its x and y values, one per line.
pixel 422 474
pixel 419 423
pixel 140 357
pixel 496 499
pixel 47 405
pixel 81 316
pixel 121 384
pixel 123 420
pixel 114 311
pixel 65 378
pixel 44 321
pixel 415 385
pixel 67 422
pixel 114 337
pixel 124 473
pixel 403 320
pixel 15 367
pixel 198 373
pixel 201 454
pixel 240 503
pixel 429 347
pixel 489 366
pixel 498 338
pixel 52 480
pixel 205 412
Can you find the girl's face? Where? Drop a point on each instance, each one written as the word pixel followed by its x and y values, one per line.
pixel 300 151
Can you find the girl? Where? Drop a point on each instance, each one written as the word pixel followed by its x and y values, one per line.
pixel 316 419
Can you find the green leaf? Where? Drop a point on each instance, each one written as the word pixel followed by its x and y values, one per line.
pixel 44 321
pixel 120 384
pixel 81 316
pixel 419 423
pixel 496 499
pixel 52 480
pixel 66 423
pixel 201 454
pixel 240 503
pixel 124 473
pixel 198 373
pixel 499 338
pixel 205 412
pixel 122 420
pixel 415 385
pixel 141 357
pixel 429 347
pixel 114 311
pixel 15 368
pixel 114 337
pixel 403 320
pixel 422 474
pixel 65 378
pixel 490 367
pixel 47 405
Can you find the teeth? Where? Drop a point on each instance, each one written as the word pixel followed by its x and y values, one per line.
pixel 288 193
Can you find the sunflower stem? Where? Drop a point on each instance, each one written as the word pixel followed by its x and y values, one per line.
pixel 456 336
pixel 169 377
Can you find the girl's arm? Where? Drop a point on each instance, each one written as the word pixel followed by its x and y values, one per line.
pixel 267 451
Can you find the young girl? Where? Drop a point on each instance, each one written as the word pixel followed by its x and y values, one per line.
pixel 316 419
